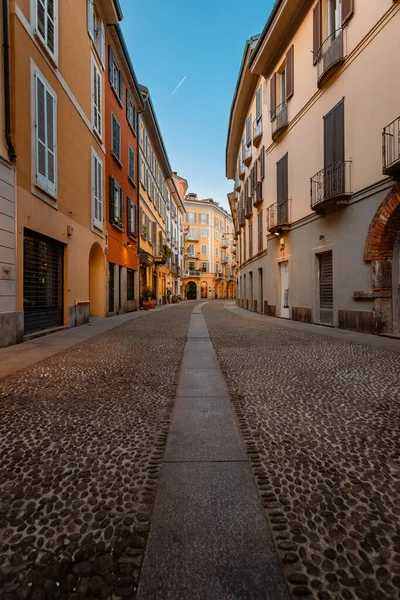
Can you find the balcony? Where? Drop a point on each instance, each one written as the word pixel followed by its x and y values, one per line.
pixel 248 153
pixel 280 121
pixel 278 217
pixel 224 243
pixel 242 173
pixel 191 273
pixel 219 275
pixel 248 208
pixel 225 260
pixel 330 57
pixel 257 131
pixel 331 187
pixel 242 219
pixel 192 236
pixel 160 257
pixel 391 149
pixel 258 195
pixel 238 185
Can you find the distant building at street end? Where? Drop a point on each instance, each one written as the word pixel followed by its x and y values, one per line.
pixel 209 250
pixel 313 148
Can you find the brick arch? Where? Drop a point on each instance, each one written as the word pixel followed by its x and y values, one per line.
pixel 384 228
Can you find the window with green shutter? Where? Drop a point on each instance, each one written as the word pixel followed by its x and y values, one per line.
pixel 46 119
pixel 131 164
pixel 115 138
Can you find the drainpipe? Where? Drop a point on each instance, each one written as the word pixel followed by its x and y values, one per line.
pixel 7 80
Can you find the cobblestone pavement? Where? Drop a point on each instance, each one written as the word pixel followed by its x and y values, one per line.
pixel 82 437
pixel 321 422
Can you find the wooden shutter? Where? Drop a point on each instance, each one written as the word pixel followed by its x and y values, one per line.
pixel 102 42
pixel 290 73
pixel 129 216
pixel 112 198
pixel 347 10
pixel 317 39
pixel 40 130
pixel 339 132
pixel 282 180
pixel 121 204
pixel 120 87
pixel 272 90
pixel 258 103
pixel 154 235
pixel 110 65
pixel 41 19
pixel 90 17
pixel 326 288
pixel 262 163
pixel 329 153
pixel 51 26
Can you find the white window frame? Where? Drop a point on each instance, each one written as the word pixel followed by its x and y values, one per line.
pixel 204 232
pixel 117 156
pixel 203 249
pixel 40 180
pixel 34 19
pixel 131 152
pixel 100 198
pixel 96 71
pixel 96 31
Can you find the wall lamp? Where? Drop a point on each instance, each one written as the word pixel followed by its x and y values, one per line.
pixel 128 244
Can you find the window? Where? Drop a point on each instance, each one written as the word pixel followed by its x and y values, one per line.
pixel 115 137
pixel 282 190
pixel 191 250
pixel 116 198
pixel 243 150
pixel 131 164
pixel 262 163
pixel 96 99
pixel 204 219
pixel 132 218
pixel 115 76
pixel 190 217
pixel 130 284
pixel 330 16
pixel 258 104
pixel 250 240
pixel 248 131
pixel 46 24
pixel 96 30
pixel 216 235
pixel 97 191
pixel 204 232
pixel 282 84
pixel 45 130
pixel 203 249
pixel 260 231
pixel 131 114
pixel 204 267
pixel 216 251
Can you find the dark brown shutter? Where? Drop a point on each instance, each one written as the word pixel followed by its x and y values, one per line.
pixel 110 64
pixel 290 73
pixel 347 10
pixel 121 204
pixel 111 188
pixel 329 136
pixel 272 90
pixel 255 175
pixel 317 29
pixel 339 132
pixel 129 217
pixel 262 161
pixel 282 188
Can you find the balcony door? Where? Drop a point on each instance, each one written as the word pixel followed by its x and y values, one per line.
pixel 282 190
pixel 284 292
pixel 334 182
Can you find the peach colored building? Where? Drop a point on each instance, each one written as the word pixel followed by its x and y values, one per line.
pixel 314 151
pixel 58 63
pixel 209 250
pixel 123 102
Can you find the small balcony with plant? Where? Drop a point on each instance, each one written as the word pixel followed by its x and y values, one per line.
pixel 391 149
pixel 331 187
pixel 279 120
pixel 331 56
pixel 257 131
pixel 278 217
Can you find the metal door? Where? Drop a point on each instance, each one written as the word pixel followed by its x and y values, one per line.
pixel 43 282
pixel 326 288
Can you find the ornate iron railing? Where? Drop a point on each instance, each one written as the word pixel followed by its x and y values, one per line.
pixel 391 147
pixel 278 214
pixel 332 182
pixel 279 118
pixel 330 55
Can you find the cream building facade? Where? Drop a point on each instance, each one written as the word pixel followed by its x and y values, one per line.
pixel 209 250
pixel 313 148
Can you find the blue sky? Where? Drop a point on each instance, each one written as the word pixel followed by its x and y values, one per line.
pixel 204 41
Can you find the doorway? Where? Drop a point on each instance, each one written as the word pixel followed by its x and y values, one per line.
pixel 191 290
pixel 111 287
pixel 396 285
pixel 261 288
pixel 326 288
pixel 97 276
pixel 284 277
pixel 204 290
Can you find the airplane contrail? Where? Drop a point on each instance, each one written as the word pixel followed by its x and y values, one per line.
pixel 177 87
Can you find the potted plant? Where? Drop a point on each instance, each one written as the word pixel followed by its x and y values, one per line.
pixel 146 298
pixel 153 302
pixel 118 222
pixel 167 251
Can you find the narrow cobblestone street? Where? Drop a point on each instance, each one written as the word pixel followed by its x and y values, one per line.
pixel 83 435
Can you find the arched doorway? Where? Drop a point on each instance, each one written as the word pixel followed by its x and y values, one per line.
pixel 204 289
pixel 191 290
pixel 382 250
pixel 97 282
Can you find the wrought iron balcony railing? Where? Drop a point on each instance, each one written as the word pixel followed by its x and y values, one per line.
pixel 248 153
pixel 248 208
pixel 331 56
pixel 280 121
pixel 331 186
pixel 278 217
pixel 391 149
pixel 257 131
pixel 242 172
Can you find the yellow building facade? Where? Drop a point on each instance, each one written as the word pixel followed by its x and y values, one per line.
pixel 58 63
pixel 209 250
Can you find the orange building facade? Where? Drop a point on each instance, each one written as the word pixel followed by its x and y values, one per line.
pixel 123 102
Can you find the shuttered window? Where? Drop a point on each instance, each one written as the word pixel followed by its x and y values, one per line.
pixel 153 234
pixel 260 230
pixel 131 164
pixel 258 103
pixel 326 288
pixel 250 240
pixel 96 30
pixel 46 24
pixel 90 18
pixel 190 217
pixel 116 204
pixel 132 218
pixel 115 137
pixel 347 10
pixel 290 73
pixel 262 163
pixel 130 284
pixel 131 114
pixel 243 151
pixel 282 189
pixel 248 130
pixel 45 126
pixel 334 135
pixel 115 76
pixel 317 30
pixel 96 99
pixel 272 91
pixel 97 191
